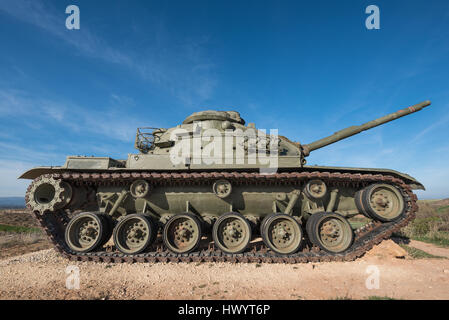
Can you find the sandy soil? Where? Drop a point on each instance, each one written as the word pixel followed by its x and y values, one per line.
pixel 19 249
pixel 42 275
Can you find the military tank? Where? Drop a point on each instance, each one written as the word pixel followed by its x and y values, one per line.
pixel 187 196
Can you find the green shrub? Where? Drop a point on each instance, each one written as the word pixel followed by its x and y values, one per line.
pixel 421 227
pixel 380 298
pixel 430 225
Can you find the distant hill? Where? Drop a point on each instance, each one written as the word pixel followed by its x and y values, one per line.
pixel 12 202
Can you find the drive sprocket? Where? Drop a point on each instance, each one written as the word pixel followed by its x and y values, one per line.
pixel 48 194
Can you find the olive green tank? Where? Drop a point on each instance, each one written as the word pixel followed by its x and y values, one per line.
pixel 217 189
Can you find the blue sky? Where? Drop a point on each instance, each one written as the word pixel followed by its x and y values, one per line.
pixel 308 68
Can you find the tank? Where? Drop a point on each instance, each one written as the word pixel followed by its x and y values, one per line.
pixel 216 189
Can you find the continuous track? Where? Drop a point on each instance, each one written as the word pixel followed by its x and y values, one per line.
pixel 365 237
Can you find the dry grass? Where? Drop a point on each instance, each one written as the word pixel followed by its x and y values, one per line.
pixel 18 217
pixel 431 223
pixel 19 232
pixel 380 298
pixel 419 254
pixel 10 239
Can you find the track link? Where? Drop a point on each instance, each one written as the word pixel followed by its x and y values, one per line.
pixel 366 237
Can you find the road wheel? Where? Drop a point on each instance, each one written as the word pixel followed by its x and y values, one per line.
pixel 231 233
pixel 262 224
pixel 182 233
pixel 383 202
pixel 359 203
pixel 282 233
pixel 330 231
pixel 134 233
pixel 86 231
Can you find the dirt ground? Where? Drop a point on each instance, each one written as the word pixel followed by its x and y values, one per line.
pixel 29 272
pixel 42 275
pixel 14 244
pixel 20 249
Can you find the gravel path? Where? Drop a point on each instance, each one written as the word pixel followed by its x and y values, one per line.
pixel 42 275
pixel 429 248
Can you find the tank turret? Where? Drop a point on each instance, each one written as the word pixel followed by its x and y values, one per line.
pixel 159 141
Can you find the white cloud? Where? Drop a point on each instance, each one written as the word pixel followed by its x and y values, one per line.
pixel 179 68
pixel 10 170
pixel 435 179
pixel 11 151
pixel 115 123
pixel 121 100
pixel 13 102
pixel 444 120
pixel 46 17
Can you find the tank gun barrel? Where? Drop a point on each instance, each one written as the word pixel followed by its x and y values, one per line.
pixel 350 131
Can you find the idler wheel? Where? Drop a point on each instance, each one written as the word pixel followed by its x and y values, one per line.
pixel 87 231
pixel 382 202
pixel 182 233
pixel 330 231
pixel 281 233
pixel 134 233
pixel 231 233
pixel 48 194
